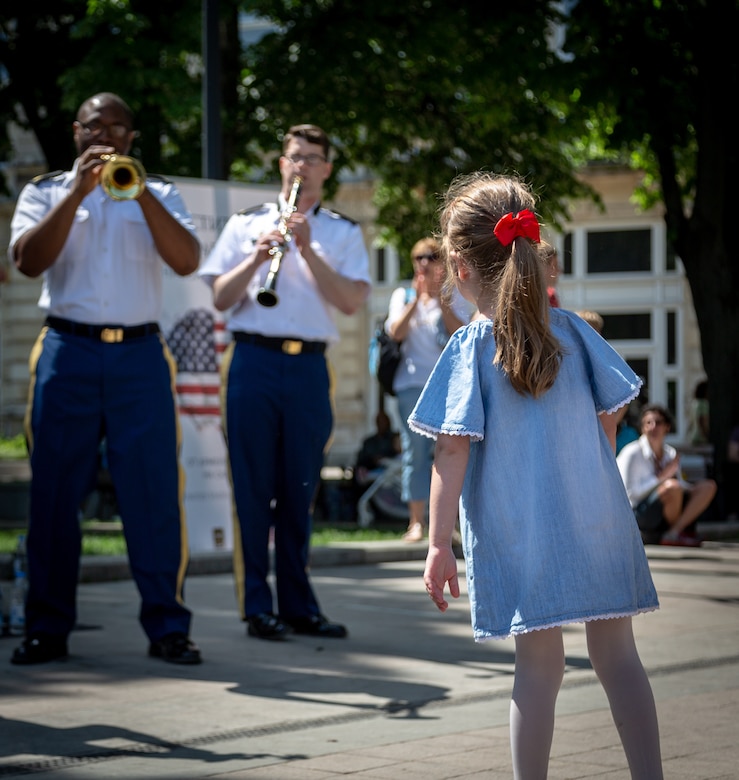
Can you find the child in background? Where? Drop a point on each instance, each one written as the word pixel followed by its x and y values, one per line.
pixel 593 319
pixel 551 262
pixel 548 533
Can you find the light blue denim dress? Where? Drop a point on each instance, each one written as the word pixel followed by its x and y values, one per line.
pixel 548 533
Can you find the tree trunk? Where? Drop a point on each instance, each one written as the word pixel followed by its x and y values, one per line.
pixel 712 279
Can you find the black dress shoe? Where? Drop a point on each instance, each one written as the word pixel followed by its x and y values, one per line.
pixel 318 625
pixel 39 650
pixel 176 648
pixel 266 626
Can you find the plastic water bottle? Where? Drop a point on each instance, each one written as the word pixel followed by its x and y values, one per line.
pixel 17 610
pixel 2 613
pixel 19 556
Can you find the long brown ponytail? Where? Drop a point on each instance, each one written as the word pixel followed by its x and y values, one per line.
pixel 512 275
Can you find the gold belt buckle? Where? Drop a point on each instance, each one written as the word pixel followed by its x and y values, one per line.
pixel 111 335
pixel 291 347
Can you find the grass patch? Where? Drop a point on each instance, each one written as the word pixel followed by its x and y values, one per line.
pixel 13 447
pixel 103 544
pixel 323 535
pixel 111 542
pixel 92 543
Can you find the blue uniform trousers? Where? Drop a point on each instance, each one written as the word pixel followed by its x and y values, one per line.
pixel 277 420
pixel 81 390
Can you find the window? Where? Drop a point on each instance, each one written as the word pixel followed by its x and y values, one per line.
pixel 566 259
pixel 672 403
pixel 640 366
pixel 670 259
pixel 671 346
pixel 622 327
pixel 381 270
pixel 619 251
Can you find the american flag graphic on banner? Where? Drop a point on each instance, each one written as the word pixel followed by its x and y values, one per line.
pixel 197 342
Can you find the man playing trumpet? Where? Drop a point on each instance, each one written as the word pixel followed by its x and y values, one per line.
pixel 278 413
pixel 101 370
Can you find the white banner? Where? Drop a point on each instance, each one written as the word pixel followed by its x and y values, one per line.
pixel 197 337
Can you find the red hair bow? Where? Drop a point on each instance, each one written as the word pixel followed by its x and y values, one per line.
pixel 522 224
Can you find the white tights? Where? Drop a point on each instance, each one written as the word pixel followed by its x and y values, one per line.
pixel 540 664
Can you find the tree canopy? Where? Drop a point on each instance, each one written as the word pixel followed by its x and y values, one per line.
pixel 56 53
pixel 417 93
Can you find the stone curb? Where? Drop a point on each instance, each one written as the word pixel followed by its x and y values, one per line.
pixel 104 568
pixel 108 568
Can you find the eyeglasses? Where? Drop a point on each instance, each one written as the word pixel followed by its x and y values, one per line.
pixel 431 257
pixel 309 159
pixel 116 130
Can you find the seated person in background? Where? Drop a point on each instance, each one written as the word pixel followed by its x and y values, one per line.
pixel 665 505
pixel 552 270
pixel 383 444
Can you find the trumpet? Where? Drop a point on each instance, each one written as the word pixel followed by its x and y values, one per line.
pixel 123 178
pixel 267 295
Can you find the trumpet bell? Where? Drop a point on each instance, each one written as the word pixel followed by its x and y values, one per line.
pixel 123 178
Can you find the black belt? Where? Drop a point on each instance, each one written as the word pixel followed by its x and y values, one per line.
pixel 110 334
pixel 288 346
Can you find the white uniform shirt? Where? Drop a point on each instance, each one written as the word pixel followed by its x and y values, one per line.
pixel 109 271
pixel 301 311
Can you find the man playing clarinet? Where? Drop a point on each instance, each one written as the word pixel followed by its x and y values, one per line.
pixel 277 406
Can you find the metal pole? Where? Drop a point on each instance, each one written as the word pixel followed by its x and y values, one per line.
pixel 211 156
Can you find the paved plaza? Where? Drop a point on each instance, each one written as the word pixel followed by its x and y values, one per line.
pixel 407 695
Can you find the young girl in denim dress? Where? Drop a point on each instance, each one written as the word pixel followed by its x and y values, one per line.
pixel 522 406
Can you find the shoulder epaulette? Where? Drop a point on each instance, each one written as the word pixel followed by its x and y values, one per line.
pixel 254 209
pixel 338 215
pixel 43 176
pixel 158 177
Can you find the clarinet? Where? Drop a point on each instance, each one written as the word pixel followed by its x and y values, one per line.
pixel 267 295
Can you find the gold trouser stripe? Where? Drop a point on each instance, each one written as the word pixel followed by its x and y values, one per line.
pixel 332 400
pixel 33 359
pixel 237 554
pixel 184 543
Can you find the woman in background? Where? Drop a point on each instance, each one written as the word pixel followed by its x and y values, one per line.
pixel 422 321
